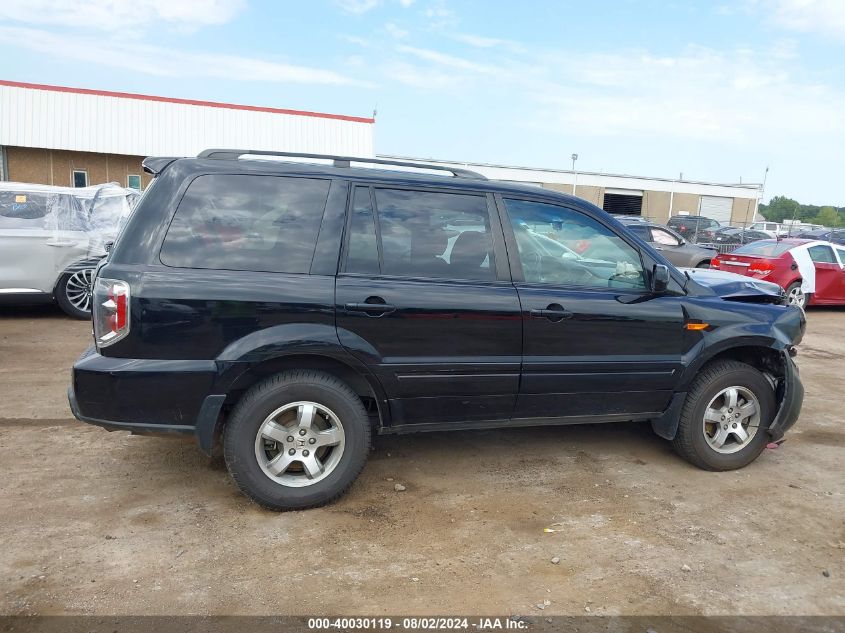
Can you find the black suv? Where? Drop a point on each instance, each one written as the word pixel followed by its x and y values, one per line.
pixel 286 311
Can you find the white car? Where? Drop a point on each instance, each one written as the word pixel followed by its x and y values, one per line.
pixel 52 238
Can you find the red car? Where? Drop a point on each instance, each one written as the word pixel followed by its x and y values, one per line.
pixel 811 272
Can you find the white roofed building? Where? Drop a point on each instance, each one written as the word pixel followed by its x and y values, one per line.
pixel 75 137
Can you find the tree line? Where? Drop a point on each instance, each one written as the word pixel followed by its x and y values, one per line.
pixel 781 208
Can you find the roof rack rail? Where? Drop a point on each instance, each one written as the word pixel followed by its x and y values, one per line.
pixel 338 161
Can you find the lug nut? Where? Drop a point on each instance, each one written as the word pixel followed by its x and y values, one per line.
pixel 291 452
pixel 723 418
pixel 302 431
pixel 305 453
pixel 725 427
pixel 734 425
pixel 290 438
pixel 312 441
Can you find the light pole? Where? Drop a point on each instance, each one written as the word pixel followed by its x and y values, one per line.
pixel 575 182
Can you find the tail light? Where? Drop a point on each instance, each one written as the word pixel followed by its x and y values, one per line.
pixel 762 268
pixel 111 311
pixel 715 263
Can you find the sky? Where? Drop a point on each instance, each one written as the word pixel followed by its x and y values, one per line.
pixel 715 90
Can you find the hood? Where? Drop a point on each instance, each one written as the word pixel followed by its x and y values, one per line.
pixel 734 287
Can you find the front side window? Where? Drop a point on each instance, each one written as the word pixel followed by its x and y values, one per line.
pixel 240 222
pixel 659 236
pixel 563 247
pixel 821 254
pixel 434 235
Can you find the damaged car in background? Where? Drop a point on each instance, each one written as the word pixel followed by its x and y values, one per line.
pixel 52 238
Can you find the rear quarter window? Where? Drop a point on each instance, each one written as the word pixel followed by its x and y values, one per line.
pixel 246 222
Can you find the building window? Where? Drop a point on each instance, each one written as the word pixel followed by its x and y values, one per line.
pixel 133 182
pixel 80 178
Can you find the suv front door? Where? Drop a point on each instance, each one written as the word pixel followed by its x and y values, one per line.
pixel 424 298
pixel 597 343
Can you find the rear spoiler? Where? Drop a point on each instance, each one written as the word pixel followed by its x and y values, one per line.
pixel 155 165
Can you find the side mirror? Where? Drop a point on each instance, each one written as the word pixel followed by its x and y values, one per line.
pixel 659 278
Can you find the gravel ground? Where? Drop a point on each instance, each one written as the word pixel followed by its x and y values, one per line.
pixel 108 523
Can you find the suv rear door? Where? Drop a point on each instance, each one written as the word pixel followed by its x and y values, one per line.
pixel 424 298
pixel 597 342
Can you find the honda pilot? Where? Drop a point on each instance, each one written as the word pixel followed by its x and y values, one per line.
pixel 283 312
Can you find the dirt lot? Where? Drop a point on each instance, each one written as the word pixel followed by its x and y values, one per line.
pixel 107 523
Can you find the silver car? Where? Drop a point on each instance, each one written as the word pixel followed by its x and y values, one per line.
pixel 675 248
pixel 51 239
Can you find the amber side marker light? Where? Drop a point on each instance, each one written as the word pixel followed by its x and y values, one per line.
pixel 695 327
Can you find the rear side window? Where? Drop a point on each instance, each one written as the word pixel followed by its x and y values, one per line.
pixel 241 222
pixel 422 234
pixel 821 254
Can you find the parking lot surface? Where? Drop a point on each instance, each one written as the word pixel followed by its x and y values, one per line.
pixel 107 523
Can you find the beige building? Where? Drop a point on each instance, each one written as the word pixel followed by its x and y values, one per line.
pixel 654 198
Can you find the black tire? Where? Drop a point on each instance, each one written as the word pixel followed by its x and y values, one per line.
pixel 239 440
pixel 704 264
pixel 62 293
pixel 690 441
pixel 795 287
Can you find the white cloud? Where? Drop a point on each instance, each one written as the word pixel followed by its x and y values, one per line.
pixel 395 31
pixel 358 7
pixel 700 94
pixel 480 41
pixel 448 61
pixel 440 15
pixel 121 15
pixel 167 62
pixel 810 16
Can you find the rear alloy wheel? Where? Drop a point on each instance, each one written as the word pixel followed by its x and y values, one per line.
pixel 74 293
pixel 795 295
pixel 297 440
pixel 725 416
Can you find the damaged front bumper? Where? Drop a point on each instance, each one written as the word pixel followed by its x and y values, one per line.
pixel 791 392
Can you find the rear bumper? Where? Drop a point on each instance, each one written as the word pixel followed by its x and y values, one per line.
pixel 143 396
pixel 791 402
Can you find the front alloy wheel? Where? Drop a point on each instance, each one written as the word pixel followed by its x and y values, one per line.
pixel 728 407
pixel 731 420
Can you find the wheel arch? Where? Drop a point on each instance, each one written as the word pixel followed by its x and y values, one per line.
pixel 759 354
pixel 240 377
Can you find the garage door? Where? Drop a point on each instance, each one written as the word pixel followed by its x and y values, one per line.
pixel 717 208
pixel 623 202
